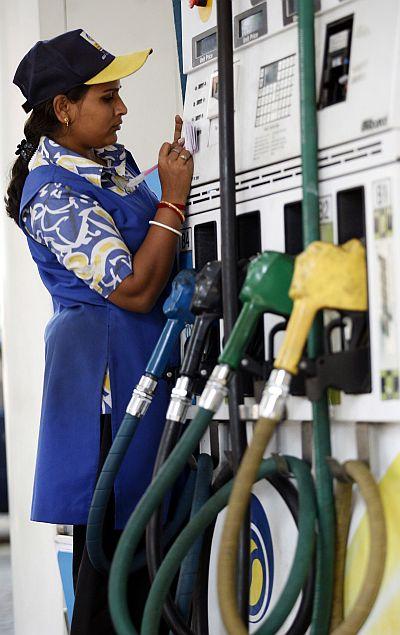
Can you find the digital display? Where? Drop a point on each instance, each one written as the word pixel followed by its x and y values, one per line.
pixel 207 45
pixel 251 24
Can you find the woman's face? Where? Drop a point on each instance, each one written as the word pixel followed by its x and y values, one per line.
pixel 97 117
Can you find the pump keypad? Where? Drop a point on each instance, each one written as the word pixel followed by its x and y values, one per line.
pixel 275 89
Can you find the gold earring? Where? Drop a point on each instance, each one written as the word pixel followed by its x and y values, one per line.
pixel 66 121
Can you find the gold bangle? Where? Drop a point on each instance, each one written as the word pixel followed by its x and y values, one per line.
pixel 175 208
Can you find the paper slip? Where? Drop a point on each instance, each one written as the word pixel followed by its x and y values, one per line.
pixel 189 132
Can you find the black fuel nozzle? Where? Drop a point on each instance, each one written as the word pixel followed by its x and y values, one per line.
pixel 207 307
pixel 207 297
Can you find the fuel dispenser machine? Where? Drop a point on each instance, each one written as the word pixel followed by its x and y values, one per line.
pixel 358 103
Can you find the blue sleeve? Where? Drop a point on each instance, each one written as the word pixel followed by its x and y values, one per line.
pixel 81 234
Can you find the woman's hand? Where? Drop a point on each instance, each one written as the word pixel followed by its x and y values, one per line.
pixel 175 167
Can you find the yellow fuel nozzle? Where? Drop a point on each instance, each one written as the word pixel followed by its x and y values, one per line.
pixel 325 277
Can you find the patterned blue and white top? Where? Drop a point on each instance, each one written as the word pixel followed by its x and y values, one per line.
pixel 81 234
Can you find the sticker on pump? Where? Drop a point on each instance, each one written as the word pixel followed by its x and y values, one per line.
pixel 186 239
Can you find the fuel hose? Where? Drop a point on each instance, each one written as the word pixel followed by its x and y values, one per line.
pixel 154 531
pixel 180 515
pixel 150 501
pixel 238 505
pixel 177 310
pixel 368 593
pixel 302 619
pixel 190 564
pixel 265 289
pixel 200 596
pixel 229 257
pixel 197 525
pixel 320 409
pixel 207 307
pixel 343 499
pixel 324 276
pixel 285 488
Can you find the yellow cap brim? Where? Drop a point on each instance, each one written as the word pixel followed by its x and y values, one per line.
pixel 121 66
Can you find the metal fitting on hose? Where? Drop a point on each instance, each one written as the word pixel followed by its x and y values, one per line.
pixel 273 401
pixel 180 400
pixel 142 396
pixel 216 388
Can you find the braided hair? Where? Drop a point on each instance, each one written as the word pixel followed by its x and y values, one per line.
pixel 42 121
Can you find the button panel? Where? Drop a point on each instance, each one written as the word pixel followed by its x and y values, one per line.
pixel 275 89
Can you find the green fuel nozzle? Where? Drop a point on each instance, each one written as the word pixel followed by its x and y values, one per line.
pixel 265 289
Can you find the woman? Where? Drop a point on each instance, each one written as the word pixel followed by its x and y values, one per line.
pixel 104 249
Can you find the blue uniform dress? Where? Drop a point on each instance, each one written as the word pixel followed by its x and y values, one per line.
pixel 87 337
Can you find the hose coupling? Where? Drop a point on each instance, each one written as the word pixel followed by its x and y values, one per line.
pixel 216 388
pixel 273 400
pixel 180 400
pixel 142 396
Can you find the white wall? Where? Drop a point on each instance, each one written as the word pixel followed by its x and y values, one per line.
pixel 153 97
pixel 25 309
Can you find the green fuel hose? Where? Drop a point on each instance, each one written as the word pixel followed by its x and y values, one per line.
pixel 150 501
pixel 368 593
pixel 311 232
pixel 300 566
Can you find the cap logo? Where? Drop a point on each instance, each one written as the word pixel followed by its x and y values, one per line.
pixel 93 42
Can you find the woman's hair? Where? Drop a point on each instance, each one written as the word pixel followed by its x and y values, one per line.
pixel 42 121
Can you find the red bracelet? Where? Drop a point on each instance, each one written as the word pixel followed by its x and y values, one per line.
pixel 178 205
pixel 174 207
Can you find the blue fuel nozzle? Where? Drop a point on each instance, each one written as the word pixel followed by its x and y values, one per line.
pixel 177 309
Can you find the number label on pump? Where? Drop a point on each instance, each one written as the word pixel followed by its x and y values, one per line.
pixel 186 239
pixel 326 218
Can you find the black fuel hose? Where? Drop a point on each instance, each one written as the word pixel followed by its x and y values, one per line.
pixel 229 258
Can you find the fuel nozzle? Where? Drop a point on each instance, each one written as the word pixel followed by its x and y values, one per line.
pixel 265 288
pixel 325 277
pixel 207 307
pixel 207 290
pixel 177 310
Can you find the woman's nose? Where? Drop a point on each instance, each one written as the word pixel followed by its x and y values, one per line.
pixel 121 109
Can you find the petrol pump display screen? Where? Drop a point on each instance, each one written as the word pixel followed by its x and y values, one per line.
pixel 204 47
pixel 251 24
pixel 206 44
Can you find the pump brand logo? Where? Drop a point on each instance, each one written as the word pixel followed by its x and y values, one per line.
pixel 261 562
pixel 372 124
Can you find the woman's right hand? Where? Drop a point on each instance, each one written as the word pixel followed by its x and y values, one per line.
pixel 175 167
